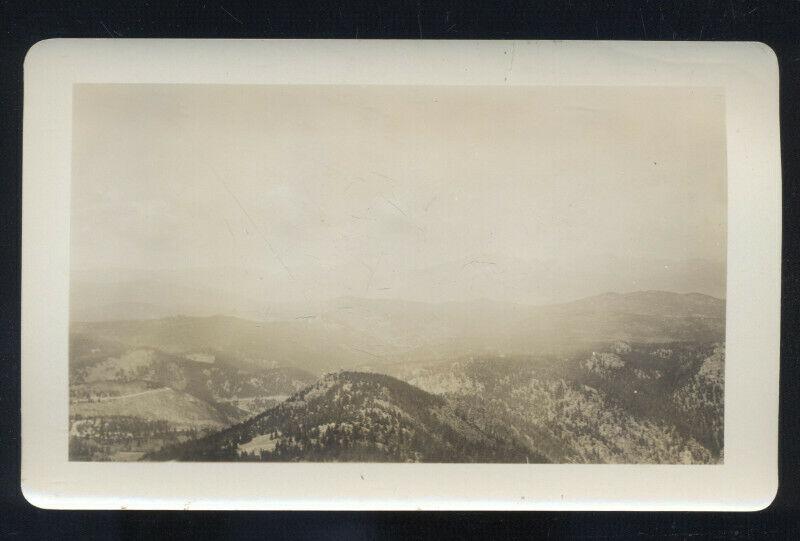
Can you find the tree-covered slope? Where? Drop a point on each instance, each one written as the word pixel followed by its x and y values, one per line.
pixel 638 403
pixel 353 416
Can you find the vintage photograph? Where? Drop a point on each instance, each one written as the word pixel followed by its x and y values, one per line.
pixel 378 273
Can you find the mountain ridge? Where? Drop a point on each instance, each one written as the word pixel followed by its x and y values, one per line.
pixel 342 302
pixel 627 403
pixel 357 332
pixel 356 416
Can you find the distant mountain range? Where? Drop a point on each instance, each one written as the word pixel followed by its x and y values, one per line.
pixel 353 332
pixel 112 294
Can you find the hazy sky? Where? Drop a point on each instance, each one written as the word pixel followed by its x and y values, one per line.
pixel 340 190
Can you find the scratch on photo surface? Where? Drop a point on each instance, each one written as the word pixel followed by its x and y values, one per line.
pixel 387 177
pixel 253 223
pixel 477 262
pixel 428 205
pixel 401 211
pixel 228 225
pixel 371 273
pixel 367 352
pixel 354 181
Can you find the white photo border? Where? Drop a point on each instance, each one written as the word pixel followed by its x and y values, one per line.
pixel 748 478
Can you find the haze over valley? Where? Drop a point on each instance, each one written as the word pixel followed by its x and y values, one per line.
pixel 397 274
pixel 182 386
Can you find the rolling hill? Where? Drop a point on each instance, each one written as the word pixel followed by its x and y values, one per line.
pixel 126 401
pixel 352 333
pixel 308 344
pixel 180 409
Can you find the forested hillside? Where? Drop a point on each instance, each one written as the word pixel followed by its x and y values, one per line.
pixel 633 378
pixel 354 416
pixel 624 404
pixel 638 403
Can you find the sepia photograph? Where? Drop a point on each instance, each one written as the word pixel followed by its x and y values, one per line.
pixel 396 275
pixel 484 271
pixel 387 273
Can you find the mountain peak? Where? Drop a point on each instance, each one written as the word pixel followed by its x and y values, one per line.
pixel 355 416
pixel 651 302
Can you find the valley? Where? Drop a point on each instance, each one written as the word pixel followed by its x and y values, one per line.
pixel 616 378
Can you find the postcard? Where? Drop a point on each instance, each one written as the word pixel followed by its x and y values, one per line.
pixel 426 275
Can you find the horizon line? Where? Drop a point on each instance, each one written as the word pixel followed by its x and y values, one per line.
pixel 400 300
